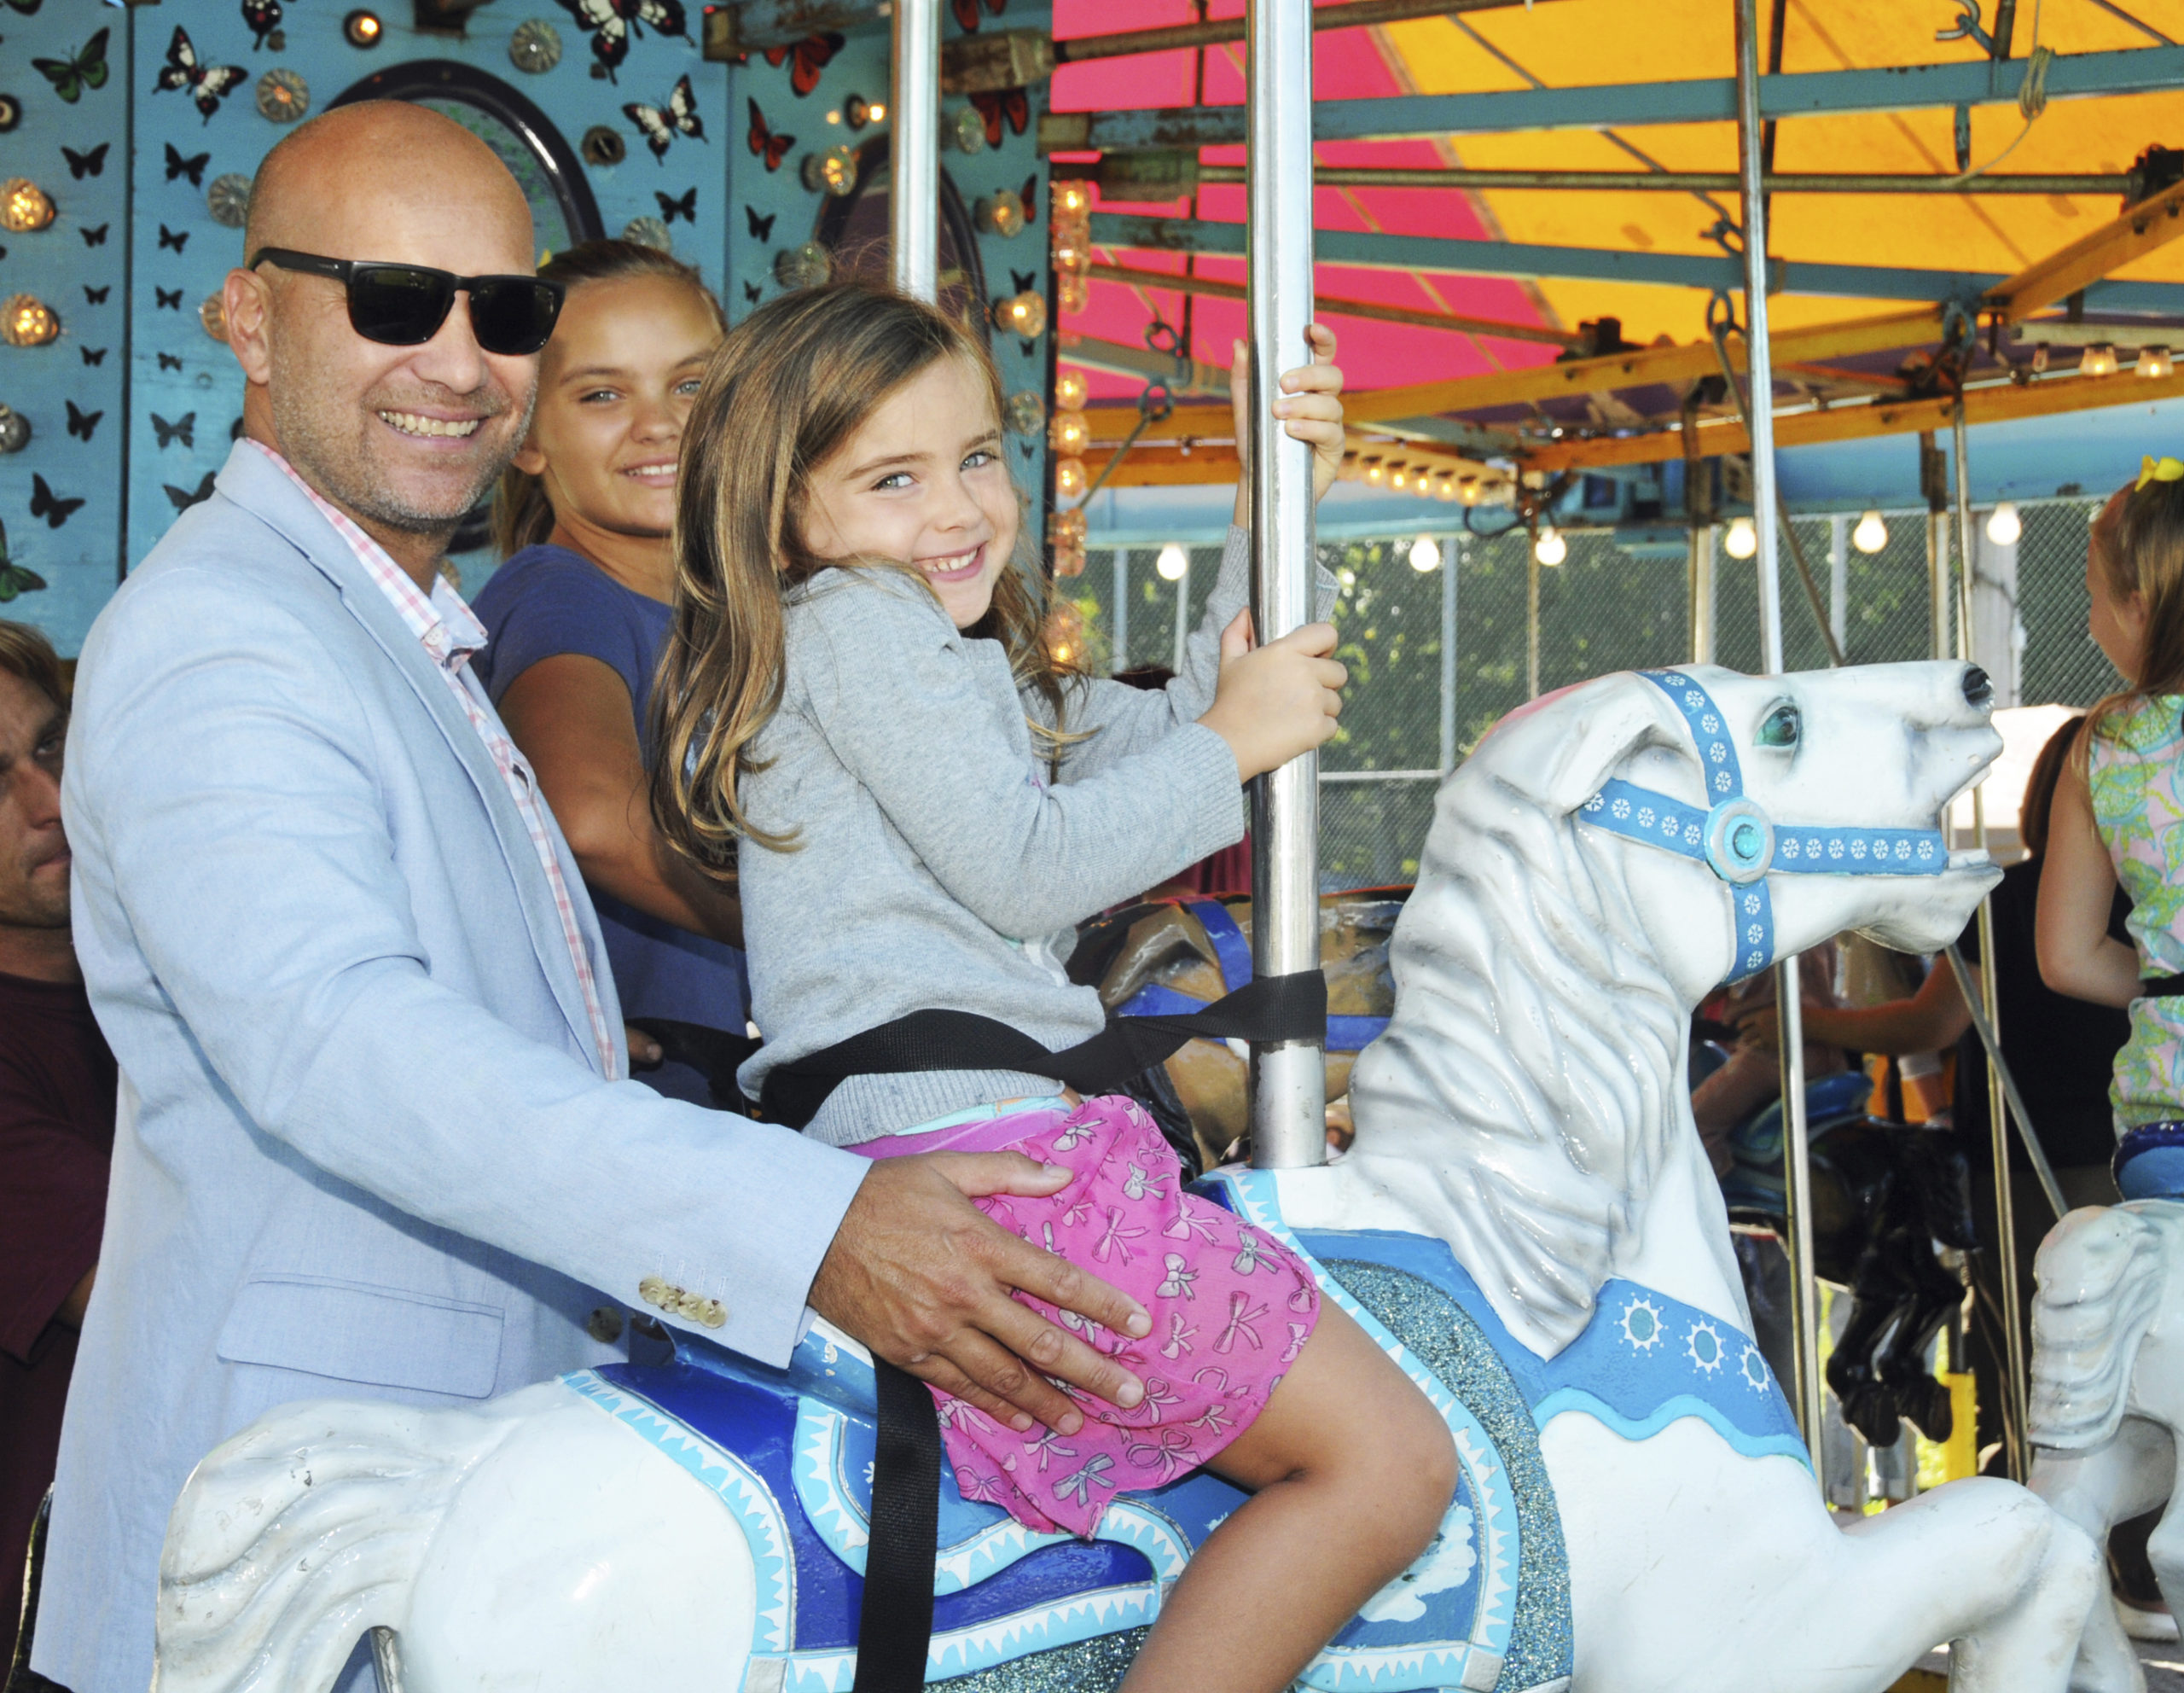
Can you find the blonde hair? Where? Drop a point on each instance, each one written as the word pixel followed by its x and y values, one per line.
pixel 2138 546
pixel 785 389
pixel 523 514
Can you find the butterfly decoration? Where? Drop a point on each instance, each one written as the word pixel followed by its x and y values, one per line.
pixel 752 293
pixel 183 429
pixel 81 423
pixel 263 17
pixel 81 69
pixel 806 59
pixel 193 167
pixel 769 146
pixel 1025 280
pixel 97 296
pixel 184 498
pixel 1030 198
pixel 207 84
pixel 168 361
pixel 14 578
pixel 1009 103
pixel 612 23
pixel 94 237
pixel 168 300
pixel 671 208
pixel 658 128
pixel 177 239
pixel 90 164
pixel 966 13
pixel 93 355
pixel 762 229
pixel 28 8
pixel 45 503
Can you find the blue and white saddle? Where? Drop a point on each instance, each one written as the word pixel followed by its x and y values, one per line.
pixel 790 1453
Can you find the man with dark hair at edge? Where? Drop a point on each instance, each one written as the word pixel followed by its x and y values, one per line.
pixel 375 1136
pixel 57 1105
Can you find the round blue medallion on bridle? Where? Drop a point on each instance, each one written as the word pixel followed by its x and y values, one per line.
pixel 1736 838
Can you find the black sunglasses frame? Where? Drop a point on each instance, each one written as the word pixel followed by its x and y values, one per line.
pixel 545 299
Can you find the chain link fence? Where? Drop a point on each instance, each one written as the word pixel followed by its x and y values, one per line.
pixel 1414 709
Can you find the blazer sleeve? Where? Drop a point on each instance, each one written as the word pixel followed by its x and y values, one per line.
pixel 222 779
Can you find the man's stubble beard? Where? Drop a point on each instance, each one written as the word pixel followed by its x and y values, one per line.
pixel 343 470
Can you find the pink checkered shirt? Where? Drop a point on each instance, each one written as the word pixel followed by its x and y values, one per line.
pixel 450 632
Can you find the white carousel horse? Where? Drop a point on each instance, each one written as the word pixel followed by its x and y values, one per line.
pixel 1526 1110
pixel 2108 1398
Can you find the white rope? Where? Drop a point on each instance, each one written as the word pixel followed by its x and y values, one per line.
pixel 2031 97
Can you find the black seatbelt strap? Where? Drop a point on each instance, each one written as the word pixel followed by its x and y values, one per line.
pixel 1267 1008
pixel 894 1630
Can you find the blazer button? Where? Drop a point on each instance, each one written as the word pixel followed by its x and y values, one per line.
pixel 714 1315
pixel 654 1291
pixel 604 1325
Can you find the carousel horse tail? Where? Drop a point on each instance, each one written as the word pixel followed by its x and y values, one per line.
pixel 297 1536
pixel 2100 1276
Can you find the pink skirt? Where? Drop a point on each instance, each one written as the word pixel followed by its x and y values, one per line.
pixel 1231 1309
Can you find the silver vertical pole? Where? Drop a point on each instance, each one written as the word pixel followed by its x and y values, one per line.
pixel 1838 579
pixel 1450 555
pixel 1122 609
pixel 1183 614
pixel 1531 621
pixel 1702 594
pixel 1804 1307
pixel 2014 1421
pixel 914 151
pixel 1289 1081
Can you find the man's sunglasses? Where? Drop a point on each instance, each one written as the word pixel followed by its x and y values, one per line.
pixel 405 305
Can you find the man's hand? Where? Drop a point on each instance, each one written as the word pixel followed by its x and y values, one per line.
pixel 923 1277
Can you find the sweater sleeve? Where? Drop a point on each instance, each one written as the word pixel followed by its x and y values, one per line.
pixel 898 695
pixel 1119 720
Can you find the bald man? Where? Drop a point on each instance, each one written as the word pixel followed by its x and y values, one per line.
pixel 376 1138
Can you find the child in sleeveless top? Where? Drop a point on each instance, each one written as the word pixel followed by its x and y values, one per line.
pixel 860 702
pixel 2118 816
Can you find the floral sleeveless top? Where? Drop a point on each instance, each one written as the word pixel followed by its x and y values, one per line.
pixel 2136 767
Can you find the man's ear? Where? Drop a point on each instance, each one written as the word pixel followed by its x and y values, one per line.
pixel 1560 749
pixel 246 305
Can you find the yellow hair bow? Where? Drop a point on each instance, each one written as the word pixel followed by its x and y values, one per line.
pixel 2159 470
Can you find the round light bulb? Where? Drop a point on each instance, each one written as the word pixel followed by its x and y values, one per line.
pixel 1023 315
pixel 28 321
pixel 25 207
pixel 1871 535
pixel 1069 477
pixel 1425 555
pixel 1550 548
pixel 2004 526
pixel 1743 538
pixel 1072 197
pixel 1174 563
pixel 1376 474
pixel 2155 362
pixel 877 111
pixel 1072 391
pixel 1398 479
pixel 1072 432
pixel 1445 489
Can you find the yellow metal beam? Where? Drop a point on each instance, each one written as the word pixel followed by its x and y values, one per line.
pixel 1676 365
pixel 2003 403
pixel 2150 224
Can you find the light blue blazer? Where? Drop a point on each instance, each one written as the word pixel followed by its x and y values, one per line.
pixel 364 1149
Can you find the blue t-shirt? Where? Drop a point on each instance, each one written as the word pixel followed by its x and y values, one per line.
pixel 546 601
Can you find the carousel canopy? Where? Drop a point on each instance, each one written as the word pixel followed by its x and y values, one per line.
pixel 1526 213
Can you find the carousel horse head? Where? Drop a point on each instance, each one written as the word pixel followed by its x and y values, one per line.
pixel 1605 857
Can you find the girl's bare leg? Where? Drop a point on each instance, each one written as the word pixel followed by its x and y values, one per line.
pixel 1351 1471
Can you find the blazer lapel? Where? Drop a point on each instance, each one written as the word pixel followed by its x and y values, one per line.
pixel 259 488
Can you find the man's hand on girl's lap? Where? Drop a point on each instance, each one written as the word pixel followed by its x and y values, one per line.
pixel 924 1278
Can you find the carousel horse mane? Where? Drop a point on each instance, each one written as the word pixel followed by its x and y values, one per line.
pixel 2101 1278
pixel 1561 1096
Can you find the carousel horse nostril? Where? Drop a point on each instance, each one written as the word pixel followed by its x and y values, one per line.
pixel 1977 690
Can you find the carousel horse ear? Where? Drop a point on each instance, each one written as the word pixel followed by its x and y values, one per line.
pixel 1562 758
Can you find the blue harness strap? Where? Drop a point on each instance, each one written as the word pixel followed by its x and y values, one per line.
pixel 1233 952
pixel 1738 840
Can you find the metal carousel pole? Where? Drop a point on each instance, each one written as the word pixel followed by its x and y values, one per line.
pixel 1796 1161
pixel 2014 1417
pixel 1289 1078
pixel 914 151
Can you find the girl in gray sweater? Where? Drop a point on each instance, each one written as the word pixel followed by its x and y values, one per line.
pixel 856 693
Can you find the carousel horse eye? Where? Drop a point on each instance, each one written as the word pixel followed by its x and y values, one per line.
pixel 1745 841
pixel 1781 727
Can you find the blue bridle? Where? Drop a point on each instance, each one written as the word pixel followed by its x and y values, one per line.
pixel 1345 1034
pixel 1738 840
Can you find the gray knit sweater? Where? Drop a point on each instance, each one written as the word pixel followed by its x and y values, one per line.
pixel 939 865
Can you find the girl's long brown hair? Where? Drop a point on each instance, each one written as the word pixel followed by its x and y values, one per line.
pixel 785 391
pixel 523 516
pixel 2138 544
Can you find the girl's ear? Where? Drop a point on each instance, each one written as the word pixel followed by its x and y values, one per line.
pixel 529 459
